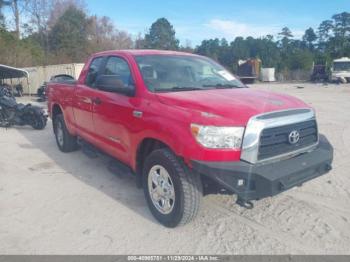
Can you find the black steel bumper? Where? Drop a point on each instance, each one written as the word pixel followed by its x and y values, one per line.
pixel 253 182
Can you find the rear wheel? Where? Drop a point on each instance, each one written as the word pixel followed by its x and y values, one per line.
pixel 65 141
pixel 3 119
pixel 39 121
pixel 172 191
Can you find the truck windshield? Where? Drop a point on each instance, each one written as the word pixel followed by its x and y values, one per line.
pixel 164 73
pixel 342 66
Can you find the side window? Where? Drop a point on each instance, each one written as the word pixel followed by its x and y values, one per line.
pixel 118 68
pixel 93 71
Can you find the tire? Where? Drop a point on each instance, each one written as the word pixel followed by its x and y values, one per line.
pixel 39 121
pixel 65 141
pixel 3 120
pixel 186 185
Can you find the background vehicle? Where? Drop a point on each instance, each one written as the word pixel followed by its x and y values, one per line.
pixel 341 70
pixel 12 113
pixel 185 126
pixel 41 92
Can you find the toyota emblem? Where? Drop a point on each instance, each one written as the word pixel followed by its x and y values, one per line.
pixel 294 137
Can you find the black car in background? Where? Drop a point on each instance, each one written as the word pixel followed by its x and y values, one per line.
pixel 41 92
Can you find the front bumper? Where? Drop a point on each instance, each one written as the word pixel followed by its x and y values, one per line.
pixel 257 181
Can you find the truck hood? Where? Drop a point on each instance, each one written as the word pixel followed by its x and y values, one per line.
pixel 341 73
pixel 238 105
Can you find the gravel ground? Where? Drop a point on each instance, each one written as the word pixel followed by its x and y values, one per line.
pixel 54 203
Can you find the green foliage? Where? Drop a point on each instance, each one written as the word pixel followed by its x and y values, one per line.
pixel 69 36
pixel 161 36
pixel 300 59
pixel 17 52
pixel 335 36
pixel 341 24
pixel 229 54
pixel 325 29
pixel 310 37
pixel 3 3
pixel 332 40
pixel 286 32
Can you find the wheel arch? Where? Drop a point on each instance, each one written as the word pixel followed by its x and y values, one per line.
pixel 144 148
pixel 56 110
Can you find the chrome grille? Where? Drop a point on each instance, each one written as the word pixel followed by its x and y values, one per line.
pixel 275 141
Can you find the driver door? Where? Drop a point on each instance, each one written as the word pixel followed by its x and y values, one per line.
pixel 113 112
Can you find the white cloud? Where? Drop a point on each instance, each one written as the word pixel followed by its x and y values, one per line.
pixel 231 29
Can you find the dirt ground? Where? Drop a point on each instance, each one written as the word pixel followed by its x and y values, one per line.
pixel 55 203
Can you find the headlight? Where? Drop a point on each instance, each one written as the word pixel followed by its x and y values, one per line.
pixel 218 137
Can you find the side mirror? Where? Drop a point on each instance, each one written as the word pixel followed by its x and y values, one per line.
pixel 111 83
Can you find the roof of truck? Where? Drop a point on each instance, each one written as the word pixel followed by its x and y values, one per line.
pixel 137 52
pixel 343 59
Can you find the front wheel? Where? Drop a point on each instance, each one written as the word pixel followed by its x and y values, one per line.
pixel 172 191
pixel 65 141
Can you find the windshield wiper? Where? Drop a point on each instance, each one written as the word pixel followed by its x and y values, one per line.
pixel 179 88
pixel 223 86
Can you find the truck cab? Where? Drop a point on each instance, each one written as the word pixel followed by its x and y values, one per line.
pixel 340 71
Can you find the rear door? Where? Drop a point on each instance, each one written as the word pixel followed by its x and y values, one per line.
pixel 84 98
pixel 113 114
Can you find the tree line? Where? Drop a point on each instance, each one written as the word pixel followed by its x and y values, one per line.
pixel 62 31
pixel 329 41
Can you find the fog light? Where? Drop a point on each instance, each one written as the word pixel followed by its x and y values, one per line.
pixel 240 182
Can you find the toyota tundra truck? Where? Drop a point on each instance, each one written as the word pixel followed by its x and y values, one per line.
pixel 184 126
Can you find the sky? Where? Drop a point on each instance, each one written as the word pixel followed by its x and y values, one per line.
pixel 195 20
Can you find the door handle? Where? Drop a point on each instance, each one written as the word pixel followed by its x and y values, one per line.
pixel 86 100
pixel 137 114
pixel 97 100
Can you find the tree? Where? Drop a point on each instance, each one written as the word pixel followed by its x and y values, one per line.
pixel 267 51
pixel 3 3
pixel 310 37
pixel 324 30
pixel 338 45
pixel 187 47
pixel 69 36
pixel 300 59
pixel 139 42
pixel 58 7
pixel 161 36
pixel 43 15
pixel 17 8
pixel 210 48
pixel 39 13
pixel 286 32
pixel 341 24
pixel 18 52
pixel 104 36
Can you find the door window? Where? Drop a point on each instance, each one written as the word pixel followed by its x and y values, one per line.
pixel 93 72
pixel 118 68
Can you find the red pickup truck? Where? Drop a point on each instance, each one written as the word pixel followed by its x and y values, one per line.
pixel 185 127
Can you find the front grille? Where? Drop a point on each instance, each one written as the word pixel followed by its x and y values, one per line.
pixel 275 141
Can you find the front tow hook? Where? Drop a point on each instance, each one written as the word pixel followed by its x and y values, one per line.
pixel 244 203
